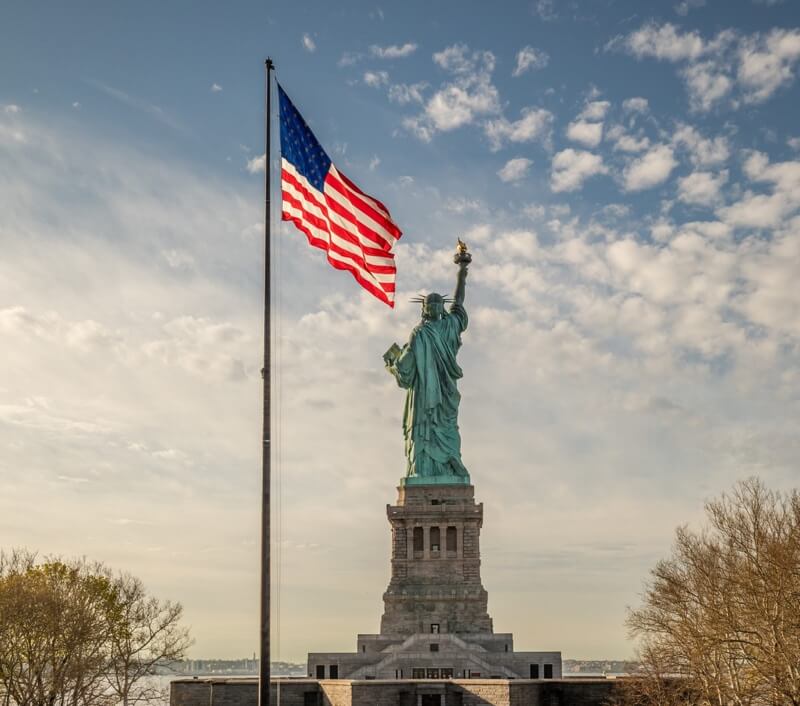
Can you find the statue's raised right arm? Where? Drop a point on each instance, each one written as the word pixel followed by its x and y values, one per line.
pixel 462 258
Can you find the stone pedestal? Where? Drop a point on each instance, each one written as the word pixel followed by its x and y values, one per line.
pixel 436 581
pixel 435 624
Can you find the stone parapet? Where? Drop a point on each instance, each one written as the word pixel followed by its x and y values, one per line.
pixel 404 692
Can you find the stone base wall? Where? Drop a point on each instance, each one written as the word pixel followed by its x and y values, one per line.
pixel 489 656
pixel 406 692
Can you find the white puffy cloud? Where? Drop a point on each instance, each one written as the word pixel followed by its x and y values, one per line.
pixel 308 43
pixel 376 79
pixel 589 134
pixel 404 93
pixel 702 188
pixel 256 165
pixel 765 210
pixel 469 96
pixel 215 88
pixel 665 42
pixel 515 169
pixel 702 151
pixel 535 124
pixel 530 58
pixel 744 68
pixel 515 245
pixel 629 143
pixel 636 105
pixel 11 109
pixel 570 168
pixel 651 169
pixel 707 84
pixel 393 51
pixel 594 110
pixel 455 106
pixel 460 59
pixel 766 62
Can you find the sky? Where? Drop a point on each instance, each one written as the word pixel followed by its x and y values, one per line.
pixel 627 177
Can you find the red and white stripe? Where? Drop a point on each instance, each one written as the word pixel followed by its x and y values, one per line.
pixel 355 230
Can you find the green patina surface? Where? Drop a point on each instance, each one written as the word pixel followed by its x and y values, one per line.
pixel 435 480
pixel 426 368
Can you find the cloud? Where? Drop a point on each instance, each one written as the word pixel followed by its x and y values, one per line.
pixel 535 124
pixel 649 170
pixel 766 62
pixel 515 170
pixel 765 210
pixel 256 165
pixel 468 96
pixel 215 88
pixel 594 110
pixel 745 68
pixel 393 51
pixel 545 10
pixel 570 168
pixel 683 7
pixel 11 109
pixel 629 143
pixel 403 93
pixel 374 162
pixel 635 105
pixel 707 84
pixel 664 42
pixel 349 59
pixel 702 151
pixel 793 142
pixel 589 134
pixel 462 204
pixel 154 111
pixel 529 58
pixel 308 43
pixel 376 79
pixel 701 188
pixel 179 259
pixel 516 245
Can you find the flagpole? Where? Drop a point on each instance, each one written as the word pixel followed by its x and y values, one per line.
pixel 264 666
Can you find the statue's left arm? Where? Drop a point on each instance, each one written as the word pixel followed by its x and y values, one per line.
pixel 401 364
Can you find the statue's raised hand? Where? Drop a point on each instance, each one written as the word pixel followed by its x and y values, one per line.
pixel 462 257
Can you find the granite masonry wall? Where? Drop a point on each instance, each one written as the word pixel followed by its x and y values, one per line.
pixel 409 692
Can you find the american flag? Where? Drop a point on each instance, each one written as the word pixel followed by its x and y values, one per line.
pixel 355 230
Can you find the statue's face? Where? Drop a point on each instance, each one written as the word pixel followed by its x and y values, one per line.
pixel 433 307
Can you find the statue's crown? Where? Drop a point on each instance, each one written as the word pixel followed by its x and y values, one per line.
pixel 428 298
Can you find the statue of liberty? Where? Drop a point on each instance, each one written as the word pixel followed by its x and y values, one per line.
pixel 426 366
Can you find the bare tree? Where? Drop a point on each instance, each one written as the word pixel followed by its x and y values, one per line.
pixel 720 620
pixel 149 637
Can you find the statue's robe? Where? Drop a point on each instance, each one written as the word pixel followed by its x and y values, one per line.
pixel 427 368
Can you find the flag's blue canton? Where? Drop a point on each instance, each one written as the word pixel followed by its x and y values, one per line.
pixel 299 146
